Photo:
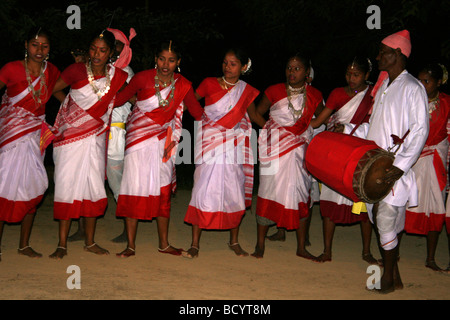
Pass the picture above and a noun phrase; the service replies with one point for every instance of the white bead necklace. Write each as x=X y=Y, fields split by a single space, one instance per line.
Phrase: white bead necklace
x=229 y=83
x=99 y=92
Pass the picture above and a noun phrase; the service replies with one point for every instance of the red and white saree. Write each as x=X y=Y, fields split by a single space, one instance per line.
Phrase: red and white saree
x=431 y=175
x=80 y=148
x=284 y=183
x=148 y=178
x=23 y=178
x=223 y=177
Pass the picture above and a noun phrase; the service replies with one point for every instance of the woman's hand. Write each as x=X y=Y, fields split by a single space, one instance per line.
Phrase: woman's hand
x=339 y=128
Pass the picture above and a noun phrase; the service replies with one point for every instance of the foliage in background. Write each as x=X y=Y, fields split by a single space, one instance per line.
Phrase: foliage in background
x=331 y=32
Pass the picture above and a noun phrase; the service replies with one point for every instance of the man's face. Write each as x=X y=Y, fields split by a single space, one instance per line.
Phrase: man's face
x=387 y=57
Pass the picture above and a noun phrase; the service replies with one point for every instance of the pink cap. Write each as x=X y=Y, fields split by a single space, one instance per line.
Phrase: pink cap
x=400 y=40
x=125 y=55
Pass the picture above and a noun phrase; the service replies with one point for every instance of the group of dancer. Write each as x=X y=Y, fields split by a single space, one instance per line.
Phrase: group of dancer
x=137 y=149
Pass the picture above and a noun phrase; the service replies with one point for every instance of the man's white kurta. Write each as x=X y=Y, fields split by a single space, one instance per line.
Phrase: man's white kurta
x=399 y=107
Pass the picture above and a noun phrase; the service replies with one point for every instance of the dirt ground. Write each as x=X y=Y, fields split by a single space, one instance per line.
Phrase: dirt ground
x=217 y=274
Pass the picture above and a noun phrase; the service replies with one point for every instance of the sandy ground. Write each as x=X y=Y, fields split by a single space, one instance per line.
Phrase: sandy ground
x=217 y=274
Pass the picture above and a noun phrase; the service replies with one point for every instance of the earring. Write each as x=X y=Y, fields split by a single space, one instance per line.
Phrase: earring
x=47 y=57
x=26 y=54
x=156 y=66
x=179 y=69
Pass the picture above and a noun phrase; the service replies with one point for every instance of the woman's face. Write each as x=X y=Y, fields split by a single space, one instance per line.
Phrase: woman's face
x=431 y=84
x=38 y=48
x=356 y=79
x=296 y=72
x=232 y=66
x=99 y=53
x=166 y=63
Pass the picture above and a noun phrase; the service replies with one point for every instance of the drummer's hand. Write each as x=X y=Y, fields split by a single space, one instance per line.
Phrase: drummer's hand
x=393 y=174
x=339 y=128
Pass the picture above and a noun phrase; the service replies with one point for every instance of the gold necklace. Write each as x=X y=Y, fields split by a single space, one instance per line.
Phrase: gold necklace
x=99 y=92
x=296 y=114
x=433 y=104
x=36 y=94
x=164 y=102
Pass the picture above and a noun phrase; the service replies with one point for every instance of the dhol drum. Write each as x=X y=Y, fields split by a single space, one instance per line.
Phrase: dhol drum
x=349 y=165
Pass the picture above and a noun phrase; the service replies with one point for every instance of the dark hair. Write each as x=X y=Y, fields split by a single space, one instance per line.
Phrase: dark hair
x=240 y=54
x=106 y=36
x=303 y=59
x=165 y=46
x=36 y=32
x=361 y=63
x=434 y=70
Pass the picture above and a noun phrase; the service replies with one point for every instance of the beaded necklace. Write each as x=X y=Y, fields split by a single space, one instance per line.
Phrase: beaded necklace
x=36 y=94
x=99 y=92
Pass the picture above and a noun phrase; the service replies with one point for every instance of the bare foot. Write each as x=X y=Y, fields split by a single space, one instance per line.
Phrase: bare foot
x=28 y=251
x=370 y=259
x=191 y=253
x=305 y=254
x=259 y=253
x=238 y=250
x=95 y=248
x=280 y=235
x=385 y=288
x=128 y=252
x=171 y=250
x=433 y=266
x=59 y=253
x=324 y=257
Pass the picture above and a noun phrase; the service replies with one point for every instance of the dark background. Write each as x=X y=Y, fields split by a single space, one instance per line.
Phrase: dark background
x=330 y=32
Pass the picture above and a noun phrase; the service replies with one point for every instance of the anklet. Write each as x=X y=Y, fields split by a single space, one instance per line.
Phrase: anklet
x=164 y=248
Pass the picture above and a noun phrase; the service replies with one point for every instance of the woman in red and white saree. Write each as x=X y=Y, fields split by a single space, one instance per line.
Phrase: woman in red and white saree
x=284 y=183
x=430 y=169
x=80 y=146
x=24 y=135
x=350 y=104
x=223 y=177
x=153 y=133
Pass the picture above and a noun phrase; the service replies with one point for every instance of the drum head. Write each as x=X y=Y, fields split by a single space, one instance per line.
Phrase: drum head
x=367 y=182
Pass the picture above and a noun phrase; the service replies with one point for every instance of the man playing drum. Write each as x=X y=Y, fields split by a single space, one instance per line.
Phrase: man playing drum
x=399 y=122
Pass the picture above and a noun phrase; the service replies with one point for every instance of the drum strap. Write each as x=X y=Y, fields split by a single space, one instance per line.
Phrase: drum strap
x=397 y=141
